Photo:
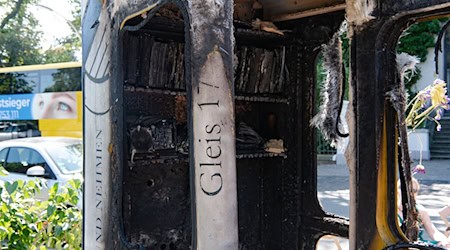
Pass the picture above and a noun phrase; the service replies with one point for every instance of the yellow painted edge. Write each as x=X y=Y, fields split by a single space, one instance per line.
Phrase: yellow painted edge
x=138 y=13
x=387 y=236
x=377 y=242
x=397 y=224
x=382 y=198
x=40 y=67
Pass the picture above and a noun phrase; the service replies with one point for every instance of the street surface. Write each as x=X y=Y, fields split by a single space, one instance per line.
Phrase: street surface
x=333 y=193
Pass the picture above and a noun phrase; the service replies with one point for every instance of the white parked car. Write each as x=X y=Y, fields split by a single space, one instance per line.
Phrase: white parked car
x=14 y=131
x=53 y=159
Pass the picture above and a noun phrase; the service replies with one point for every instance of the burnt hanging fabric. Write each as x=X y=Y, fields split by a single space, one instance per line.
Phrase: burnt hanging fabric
x=327 y=120
x=397 y=97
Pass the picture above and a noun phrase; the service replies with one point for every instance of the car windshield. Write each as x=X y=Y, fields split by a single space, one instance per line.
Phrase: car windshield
x=10 y=129
x=68 y=157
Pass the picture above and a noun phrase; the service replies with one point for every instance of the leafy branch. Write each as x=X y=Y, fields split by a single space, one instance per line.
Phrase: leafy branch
x=28 y=223
x=19 y=4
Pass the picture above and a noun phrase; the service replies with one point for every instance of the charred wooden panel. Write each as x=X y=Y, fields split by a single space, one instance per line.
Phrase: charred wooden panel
x=132 y=59
x=363 y=183
x=272 y=203
x=157 y=205
x=258 y=70
x=142 y=103
x=249 y=204
x=260 y=203
x=156 y=194
x=275 y=91
x=145 y=42
x=161 y=64
x=313 y=221
x=290 y=173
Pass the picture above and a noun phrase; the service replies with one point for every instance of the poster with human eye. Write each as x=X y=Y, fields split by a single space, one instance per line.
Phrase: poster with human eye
x=50 y=105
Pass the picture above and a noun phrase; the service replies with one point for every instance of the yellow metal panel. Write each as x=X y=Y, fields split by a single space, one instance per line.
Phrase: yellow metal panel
x=385 y=235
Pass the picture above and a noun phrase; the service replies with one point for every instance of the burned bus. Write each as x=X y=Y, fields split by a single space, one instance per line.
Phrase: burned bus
x=197 y=122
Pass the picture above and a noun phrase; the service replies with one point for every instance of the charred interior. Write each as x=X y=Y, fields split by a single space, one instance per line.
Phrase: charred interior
x=271 y=88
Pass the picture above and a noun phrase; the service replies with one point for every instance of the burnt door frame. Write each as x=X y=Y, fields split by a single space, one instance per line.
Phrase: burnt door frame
x=374 y=73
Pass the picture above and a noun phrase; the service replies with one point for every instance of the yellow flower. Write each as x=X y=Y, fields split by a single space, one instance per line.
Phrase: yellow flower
x=419 y=109
x=437 y=93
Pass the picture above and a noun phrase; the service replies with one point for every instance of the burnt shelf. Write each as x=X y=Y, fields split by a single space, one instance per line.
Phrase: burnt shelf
x=179 y=158
x=128 y=88
x=239 y=97
x=261 y=98
x=174 y=29
x=260 y=155
x=257 y=37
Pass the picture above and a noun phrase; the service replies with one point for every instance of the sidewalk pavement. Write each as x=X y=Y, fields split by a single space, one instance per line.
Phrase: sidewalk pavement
x=333 y=188
x=435 y=170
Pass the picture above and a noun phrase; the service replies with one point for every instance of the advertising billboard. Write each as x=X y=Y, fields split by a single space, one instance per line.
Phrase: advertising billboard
x=51 y=105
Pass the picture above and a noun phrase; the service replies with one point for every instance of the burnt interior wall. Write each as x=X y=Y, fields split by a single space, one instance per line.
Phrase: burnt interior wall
x=310 y=34
x=271 y=83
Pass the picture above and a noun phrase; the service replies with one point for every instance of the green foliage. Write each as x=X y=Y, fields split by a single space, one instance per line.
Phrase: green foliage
x=320 y=79
x=19 y=36
x=418 y=38
x=58 y=54
x=20 y=45
x=26 y=223
x=346 y=61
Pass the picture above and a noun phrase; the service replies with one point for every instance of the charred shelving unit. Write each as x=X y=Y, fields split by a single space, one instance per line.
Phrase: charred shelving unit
x=269 y=85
